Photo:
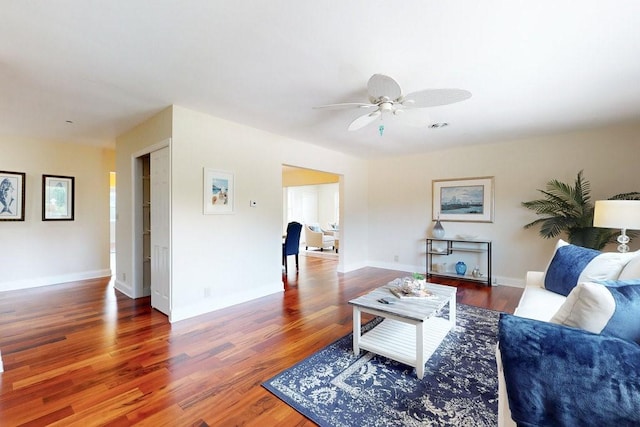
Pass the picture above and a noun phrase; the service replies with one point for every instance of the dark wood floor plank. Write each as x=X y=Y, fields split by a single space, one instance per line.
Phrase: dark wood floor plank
x=84 y=354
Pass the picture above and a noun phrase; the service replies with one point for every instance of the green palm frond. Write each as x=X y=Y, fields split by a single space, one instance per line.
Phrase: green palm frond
x=568 y=209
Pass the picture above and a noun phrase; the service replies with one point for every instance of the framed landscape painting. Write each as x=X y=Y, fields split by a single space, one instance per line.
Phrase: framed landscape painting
x=464 y=199
x=58 y=194
x=217 y=192
x=12 y=189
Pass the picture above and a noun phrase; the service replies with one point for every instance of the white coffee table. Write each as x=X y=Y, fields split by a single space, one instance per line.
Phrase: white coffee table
x=411 y=330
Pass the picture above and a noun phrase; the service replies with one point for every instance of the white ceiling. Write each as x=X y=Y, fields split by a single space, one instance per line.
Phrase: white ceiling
x=533 y=67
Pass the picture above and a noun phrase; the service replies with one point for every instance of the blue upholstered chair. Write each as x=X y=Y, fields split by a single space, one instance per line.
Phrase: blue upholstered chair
x=291 y=245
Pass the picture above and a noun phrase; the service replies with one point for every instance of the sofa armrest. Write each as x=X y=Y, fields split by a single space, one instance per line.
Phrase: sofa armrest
x=504 y=413
x=535 y=278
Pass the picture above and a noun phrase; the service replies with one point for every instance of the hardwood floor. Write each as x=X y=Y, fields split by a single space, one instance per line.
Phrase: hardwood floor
x=84 y=354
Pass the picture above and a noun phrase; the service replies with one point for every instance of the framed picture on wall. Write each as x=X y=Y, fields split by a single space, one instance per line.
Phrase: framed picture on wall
x=464 y=199
x=218 y=192
x=58 y=193
x=12 y=189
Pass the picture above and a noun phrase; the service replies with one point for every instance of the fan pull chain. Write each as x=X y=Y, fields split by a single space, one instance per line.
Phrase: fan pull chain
x=381 y=129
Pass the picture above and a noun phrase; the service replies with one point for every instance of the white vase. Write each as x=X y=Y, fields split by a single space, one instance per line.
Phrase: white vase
x=438 y=230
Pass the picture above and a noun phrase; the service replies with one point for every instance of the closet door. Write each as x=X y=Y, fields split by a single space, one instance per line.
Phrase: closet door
x=160 y=230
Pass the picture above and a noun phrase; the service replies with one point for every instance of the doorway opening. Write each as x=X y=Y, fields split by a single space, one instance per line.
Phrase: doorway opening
x=313 y=199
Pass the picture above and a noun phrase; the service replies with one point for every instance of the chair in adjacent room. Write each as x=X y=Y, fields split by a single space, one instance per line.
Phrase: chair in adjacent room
x=315 y=237
x=291 y=244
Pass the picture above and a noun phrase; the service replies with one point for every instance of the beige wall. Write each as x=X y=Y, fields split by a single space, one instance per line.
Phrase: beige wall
x=400 y=208
x=132 y=144
x=221 y=260
x=224 y=254
x=39 y=253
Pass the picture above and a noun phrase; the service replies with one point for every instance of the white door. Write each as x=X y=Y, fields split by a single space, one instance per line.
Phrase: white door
x=160 y=231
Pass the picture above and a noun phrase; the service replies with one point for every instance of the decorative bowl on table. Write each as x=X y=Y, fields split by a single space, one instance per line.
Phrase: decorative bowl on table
x=467 y=236
x=410 y=288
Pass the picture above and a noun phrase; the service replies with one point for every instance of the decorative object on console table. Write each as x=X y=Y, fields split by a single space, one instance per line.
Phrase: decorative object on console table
x=474 y=250
x=622 y=214
x=461 y=268
x=476 y=272
x=438 y=229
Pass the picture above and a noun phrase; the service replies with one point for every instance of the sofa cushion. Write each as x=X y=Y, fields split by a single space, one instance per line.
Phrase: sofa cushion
x=632 y=269
x=559 y=376
x=538 y=303
x=573 y=264
x=611 y=308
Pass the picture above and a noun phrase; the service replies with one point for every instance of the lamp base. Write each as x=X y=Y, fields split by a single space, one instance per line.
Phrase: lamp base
x=623 y=239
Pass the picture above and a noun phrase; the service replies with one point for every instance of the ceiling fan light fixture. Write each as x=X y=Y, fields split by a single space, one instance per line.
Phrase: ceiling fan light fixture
x=385 y=96
x=386 y=106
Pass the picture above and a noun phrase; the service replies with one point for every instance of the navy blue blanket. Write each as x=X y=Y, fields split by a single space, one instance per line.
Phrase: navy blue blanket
x=561 y=376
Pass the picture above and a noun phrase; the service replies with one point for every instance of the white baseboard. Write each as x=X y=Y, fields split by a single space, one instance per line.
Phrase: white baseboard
x=123 y=287
x=53 y=280
x=208 y=305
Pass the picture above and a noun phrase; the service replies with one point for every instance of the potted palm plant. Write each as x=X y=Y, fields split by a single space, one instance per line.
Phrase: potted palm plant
x=568 y=209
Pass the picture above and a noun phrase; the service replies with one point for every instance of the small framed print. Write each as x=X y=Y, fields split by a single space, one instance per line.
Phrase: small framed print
x=12 y=189
x=218 y=192
x=464 y=199
x=58 y=194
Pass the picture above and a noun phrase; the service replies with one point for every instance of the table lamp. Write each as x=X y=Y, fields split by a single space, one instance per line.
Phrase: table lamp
x=622 y=214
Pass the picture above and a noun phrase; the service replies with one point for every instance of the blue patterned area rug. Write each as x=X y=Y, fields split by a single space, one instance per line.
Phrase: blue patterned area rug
x=459 y=388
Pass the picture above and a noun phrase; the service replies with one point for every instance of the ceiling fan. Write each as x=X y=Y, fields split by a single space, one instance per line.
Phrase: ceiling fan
x=385 y=97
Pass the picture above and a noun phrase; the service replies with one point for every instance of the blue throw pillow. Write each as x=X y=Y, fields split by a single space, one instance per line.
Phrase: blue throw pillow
x=573 y=264
x=567 y=264
x=625 y=322
x=619 y=283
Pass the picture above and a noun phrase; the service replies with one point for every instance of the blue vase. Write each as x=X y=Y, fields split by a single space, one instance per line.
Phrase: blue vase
x=461 y=268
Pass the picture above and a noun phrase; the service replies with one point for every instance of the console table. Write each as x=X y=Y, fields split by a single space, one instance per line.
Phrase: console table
x=442 y=250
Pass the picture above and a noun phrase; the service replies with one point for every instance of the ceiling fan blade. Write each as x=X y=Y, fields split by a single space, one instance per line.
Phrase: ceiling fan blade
x=435 y=97
x=344 y=105
x=380 y=85
x=364 y=120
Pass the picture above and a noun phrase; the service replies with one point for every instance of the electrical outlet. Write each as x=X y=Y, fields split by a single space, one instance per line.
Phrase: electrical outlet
x=396 y=258
x=124 y=277
x=207 y=292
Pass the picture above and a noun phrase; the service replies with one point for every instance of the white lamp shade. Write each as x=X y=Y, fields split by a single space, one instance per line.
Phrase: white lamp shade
x=623 y=214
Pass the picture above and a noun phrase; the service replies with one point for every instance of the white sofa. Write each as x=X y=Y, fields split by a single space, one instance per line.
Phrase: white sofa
x=541 y=304
x=535 y=303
